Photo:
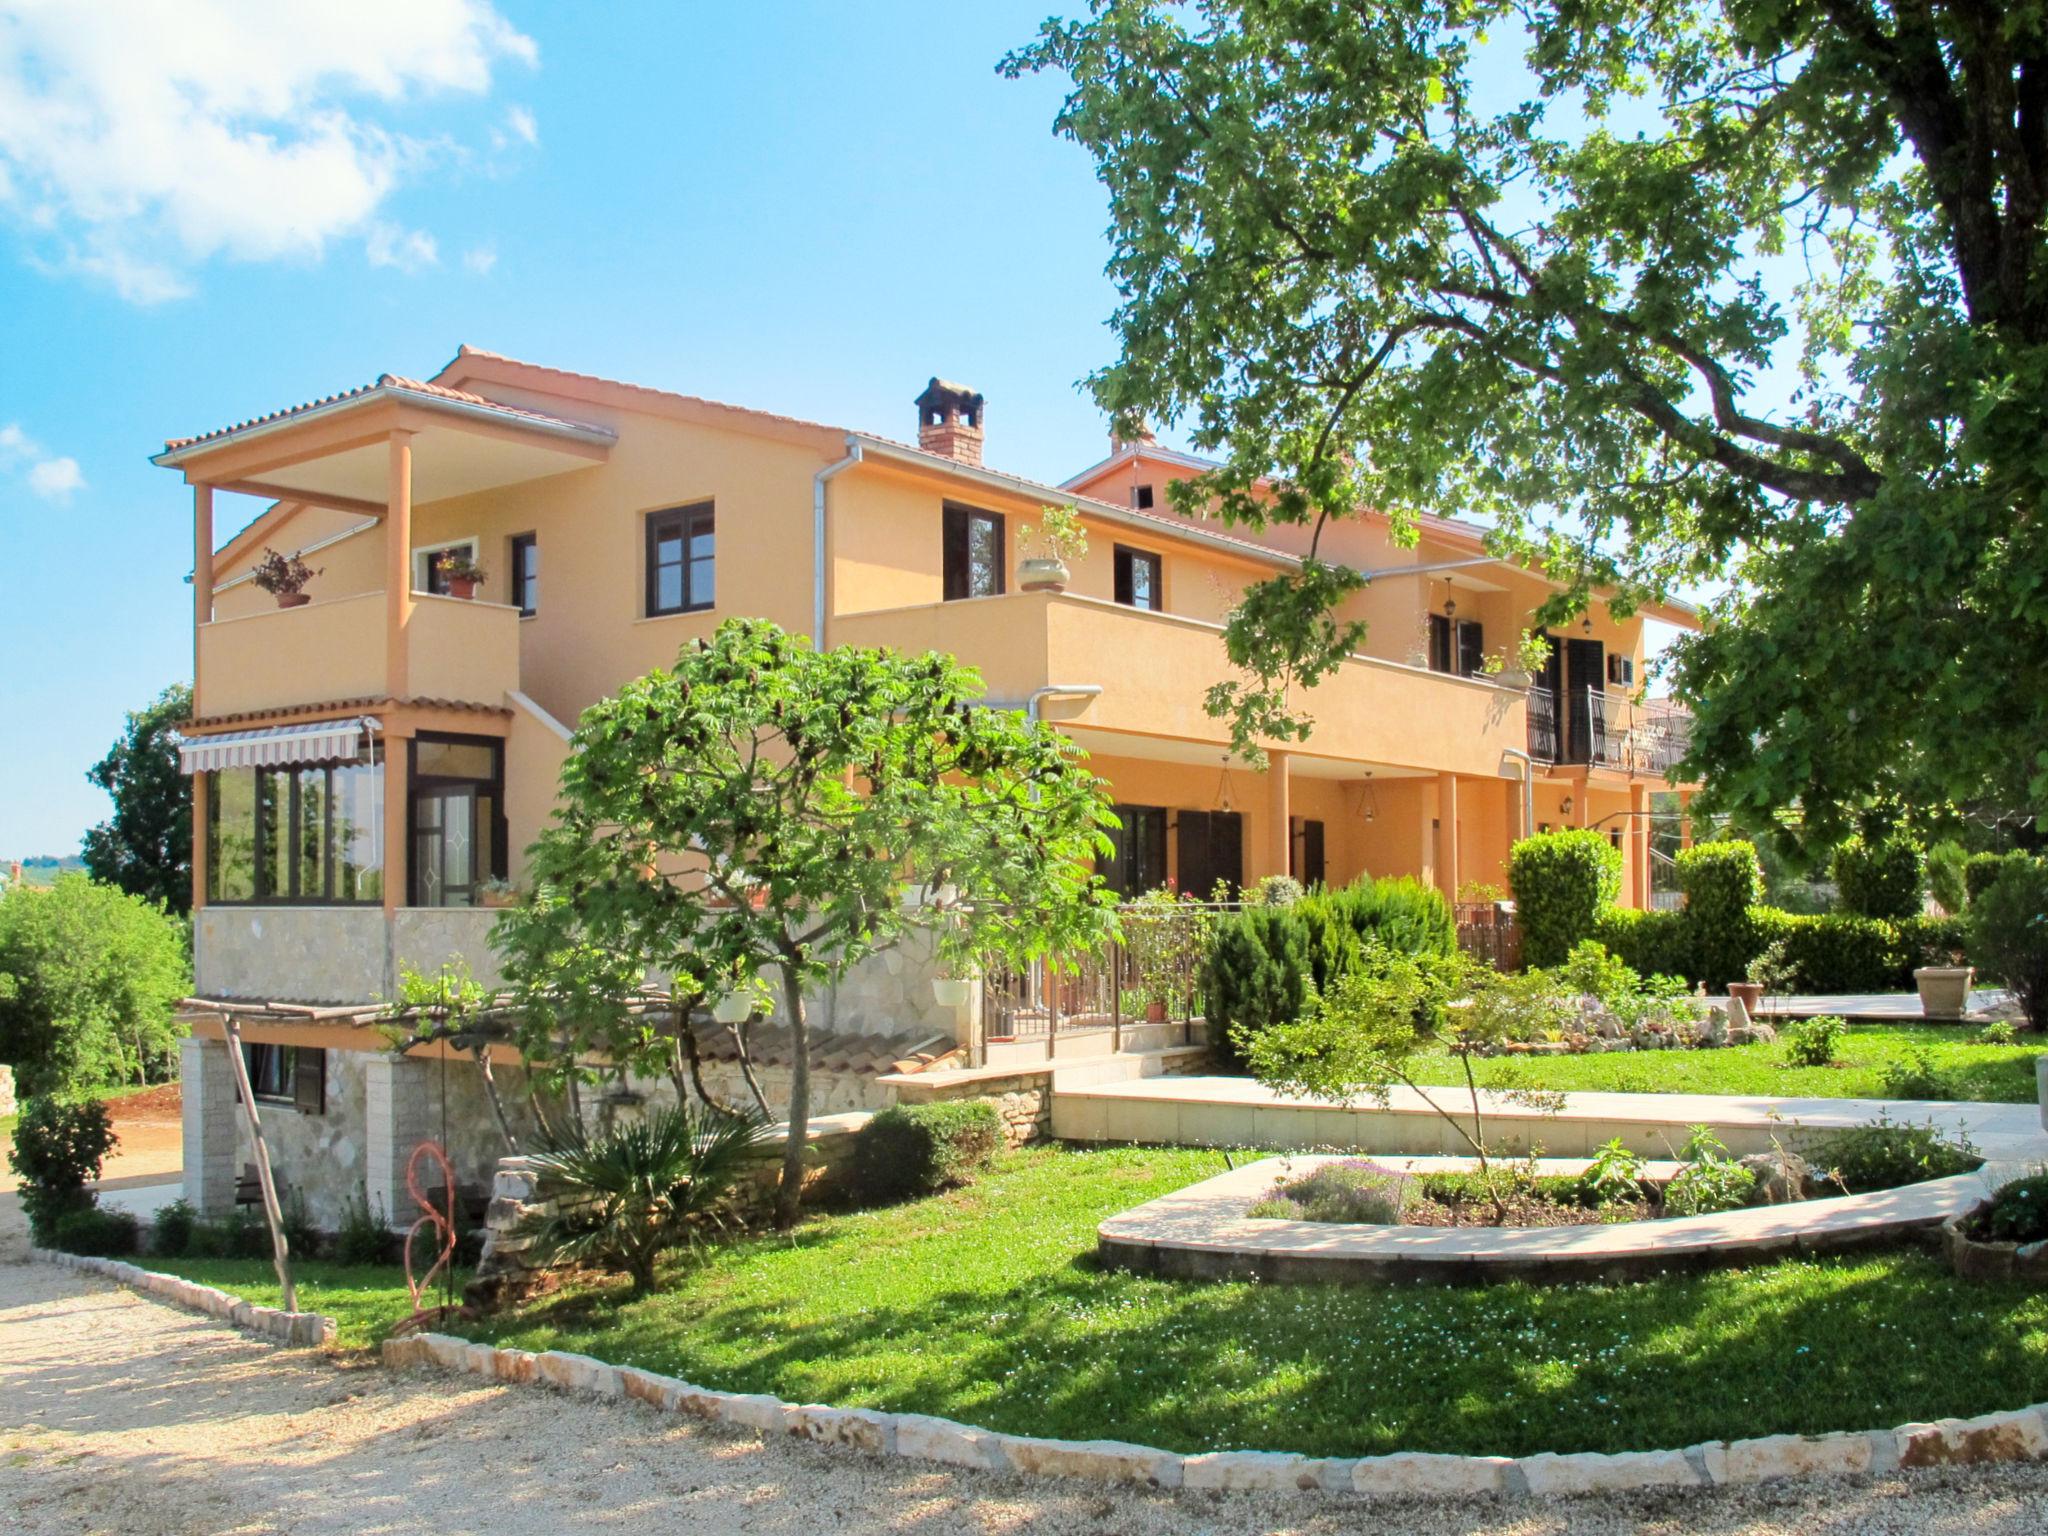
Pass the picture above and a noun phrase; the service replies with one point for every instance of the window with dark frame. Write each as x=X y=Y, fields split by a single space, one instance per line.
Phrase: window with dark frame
x=1209 y=851
x=1305 y=855
x=1141 y=497
x=972 y=554
x=1139 y=863
x=1439 y=643
x=526 y=574
x=1471 y=648
x=1137 y=579
x=290 y=1076
x=681 y=564
x=457 y=816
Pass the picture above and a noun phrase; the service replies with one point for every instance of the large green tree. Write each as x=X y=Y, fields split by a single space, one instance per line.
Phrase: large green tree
x=760 y=817
x=1668 y=290
x=145 y=847
x=89 y=982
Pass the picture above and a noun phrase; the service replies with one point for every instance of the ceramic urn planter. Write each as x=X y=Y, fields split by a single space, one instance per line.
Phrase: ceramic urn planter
x=1043 y=575
x=1944 y=990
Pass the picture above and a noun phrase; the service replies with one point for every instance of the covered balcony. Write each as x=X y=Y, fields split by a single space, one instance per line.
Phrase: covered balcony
x=1598 y=729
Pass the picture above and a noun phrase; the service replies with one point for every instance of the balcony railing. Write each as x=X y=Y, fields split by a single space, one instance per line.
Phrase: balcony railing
x=1608 y=730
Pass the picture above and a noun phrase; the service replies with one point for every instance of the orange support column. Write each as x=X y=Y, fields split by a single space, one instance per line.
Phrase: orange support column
x=202 y=575
x=398 y=569
x=1447 y=834
x=1685 y=818
x=397 y=826
x=1639 y=840
x=1279 y=814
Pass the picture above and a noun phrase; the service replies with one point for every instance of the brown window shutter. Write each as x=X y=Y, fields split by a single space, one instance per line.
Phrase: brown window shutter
x=309 y=1081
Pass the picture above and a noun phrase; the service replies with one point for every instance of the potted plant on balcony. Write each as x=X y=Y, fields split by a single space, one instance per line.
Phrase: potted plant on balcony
x=497 y=893
x=283 y=577
x=1050 y=548
x=459 y=570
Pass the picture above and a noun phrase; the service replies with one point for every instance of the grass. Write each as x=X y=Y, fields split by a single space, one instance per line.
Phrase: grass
x=366 y=1301
x=986 y=1305
x=1996 y=1074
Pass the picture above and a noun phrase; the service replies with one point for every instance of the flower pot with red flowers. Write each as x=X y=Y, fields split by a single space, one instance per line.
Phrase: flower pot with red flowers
x=284 y=577
x=459 y=572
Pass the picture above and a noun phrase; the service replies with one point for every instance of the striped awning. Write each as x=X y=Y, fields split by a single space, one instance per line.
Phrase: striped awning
x=326 y=742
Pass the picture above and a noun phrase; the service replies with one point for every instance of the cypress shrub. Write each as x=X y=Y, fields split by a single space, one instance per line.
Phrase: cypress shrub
x=1256 y=973
x=1400 y=912
x=1982 y=869
x=1882 y=878
x=910 y=1150
x=1562 y=882
x=1947 y=877
x=2009 y=934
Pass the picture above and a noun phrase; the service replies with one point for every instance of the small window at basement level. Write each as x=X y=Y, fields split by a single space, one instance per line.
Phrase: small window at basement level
x=680 y=562
x=972 y=554
x=1141 y=497
x=293 y=1076
x=1137 y=579
x=526 y=574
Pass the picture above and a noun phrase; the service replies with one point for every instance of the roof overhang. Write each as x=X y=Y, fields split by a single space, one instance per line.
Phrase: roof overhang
x=336 y=452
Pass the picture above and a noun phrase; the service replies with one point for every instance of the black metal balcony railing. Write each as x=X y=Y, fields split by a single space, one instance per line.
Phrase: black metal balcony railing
x=1608 y=730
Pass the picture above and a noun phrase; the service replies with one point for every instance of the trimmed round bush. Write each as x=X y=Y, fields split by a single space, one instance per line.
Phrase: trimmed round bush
x=1255 y=975
x=171 y=1233
x=1883 y=878
x=1562 y=882
x=911 y=1150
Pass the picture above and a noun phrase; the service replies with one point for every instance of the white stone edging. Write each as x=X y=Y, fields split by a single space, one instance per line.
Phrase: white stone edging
x=312 y=1329
x=2019 y=1435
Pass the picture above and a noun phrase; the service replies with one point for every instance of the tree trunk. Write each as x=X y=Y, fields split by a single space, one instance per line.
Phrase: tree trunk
x=790 y=1195
x=483 y=1062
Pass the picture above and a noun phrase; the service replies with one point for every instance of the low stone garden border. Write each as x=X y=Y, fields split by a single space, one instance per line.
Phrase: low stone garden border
x=313 y=1329
x=2019 y=1435
x=1202 y=1232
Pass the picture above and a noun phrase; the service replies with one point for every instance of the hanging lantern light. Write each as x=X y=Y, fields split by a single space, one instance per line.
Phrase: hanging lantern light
x=1368 y=803
x=1224 y=800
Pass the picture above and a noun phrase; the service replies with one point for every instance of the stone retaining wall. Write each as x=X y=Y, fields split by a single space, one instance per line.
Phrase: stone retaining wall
x=1023 y=1098
x=2020 y=1435
x=307 y=1328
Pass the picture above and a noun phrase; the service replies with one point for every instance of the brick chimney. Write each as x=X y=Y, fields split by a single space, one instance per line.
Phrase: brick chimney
x=1141 y=437
x=949 y=421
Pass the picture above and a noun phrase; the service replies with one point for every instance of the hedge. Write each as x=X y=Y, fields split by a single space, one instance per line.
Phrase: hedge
x=1562 y=882
x=1650 y=943
x=919 y=1149
x=1831 y=952
x=1982 y=869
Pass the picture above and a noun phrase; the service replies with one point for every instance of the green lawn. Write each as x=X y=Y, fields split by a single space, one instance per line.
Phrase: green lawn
x=986 y=1305
x=364 y=1300
x=2002 y=1074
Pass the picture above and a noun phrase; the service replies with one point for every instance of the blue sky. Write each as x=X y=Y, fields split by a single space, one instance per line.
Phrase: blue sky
x=808 y=207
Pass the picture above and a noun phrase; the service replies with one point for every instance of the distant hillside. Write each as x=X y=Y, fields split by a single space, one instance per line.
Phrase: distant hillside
x=44 y=867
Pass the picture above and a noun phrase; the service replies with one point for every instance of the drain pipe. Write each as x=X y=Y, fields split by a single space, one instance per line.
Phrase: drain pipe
x=853 y=457
x=1059 y=691
x=1528 y=787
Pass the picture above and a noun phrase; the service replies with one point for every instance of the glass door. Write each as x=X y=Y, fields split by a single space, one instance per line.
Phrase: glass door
x=444 y=846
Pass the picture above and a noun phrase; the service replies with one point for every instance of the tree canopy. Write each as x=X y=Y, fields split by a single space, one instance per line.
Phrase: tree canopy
x=145 y=847
x=89 y=981
x=1666 y=291
x=762 y=816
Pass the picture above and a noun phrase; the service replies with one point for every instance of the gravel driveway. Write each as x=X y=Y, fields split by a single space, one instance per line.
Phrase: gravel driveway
x=120 y=1415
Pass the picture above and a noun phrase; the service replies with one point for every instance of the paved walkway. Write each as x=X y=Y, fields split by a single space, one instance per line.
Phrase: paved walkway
x=1240 y=1111
x=1870 y=1007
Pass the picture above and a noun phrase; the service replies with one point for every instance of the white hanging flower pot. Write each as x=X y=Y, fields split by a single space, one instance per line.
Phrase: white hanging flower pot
x=951 y=991
x=732 y=1008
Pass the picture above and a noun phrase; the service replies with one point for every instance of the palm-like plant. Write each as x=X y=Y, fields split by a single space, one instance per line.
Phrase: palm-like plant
x=632 y=1193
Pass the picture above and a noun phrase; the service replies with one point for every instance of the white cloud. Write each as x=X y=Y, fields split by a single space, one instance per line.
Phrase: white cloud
x=50 y=477
x=56 y=479
x=138 y=139
x=523 y=127
x=407 y=250
x=480 y=259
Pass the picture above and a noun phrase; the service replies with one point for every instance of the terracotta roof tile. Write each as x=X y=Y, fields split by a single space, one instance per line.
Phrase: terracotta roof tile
x=384 y=381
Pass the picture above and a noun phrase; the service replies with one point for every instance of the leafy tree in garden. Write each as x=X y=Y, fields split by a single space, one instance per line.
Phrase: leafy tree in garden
x=89 y=981
x=1422 y=257
x=146 y=846
x=753 y=817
